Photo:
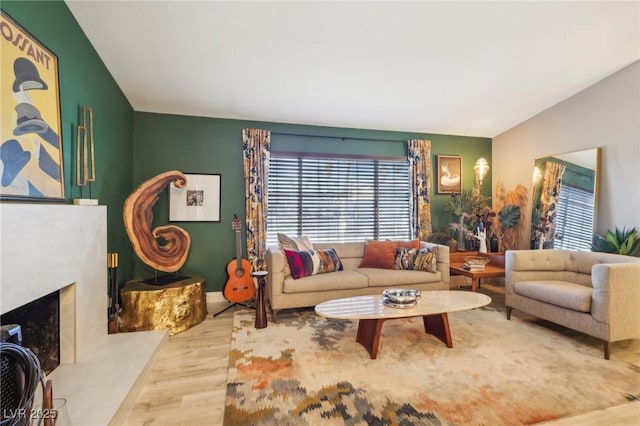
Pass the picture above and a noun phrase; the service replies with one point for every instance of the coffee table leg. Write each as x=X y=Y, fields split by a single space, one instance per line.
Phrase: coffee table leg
x=438 y=325
x=369 y=335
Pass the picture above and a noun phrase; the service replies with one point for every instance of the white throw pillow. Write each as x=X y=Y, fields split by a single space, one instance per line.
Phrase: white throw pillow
x=292 y=243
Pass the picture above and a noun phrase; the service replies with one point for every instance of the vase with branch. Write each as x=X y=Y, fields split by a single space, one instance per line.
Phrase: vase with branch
x=462 y=206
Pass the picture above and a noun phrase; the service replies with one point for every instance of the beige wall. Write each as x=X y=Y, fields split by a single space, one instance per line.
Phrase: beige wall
x=605 y=115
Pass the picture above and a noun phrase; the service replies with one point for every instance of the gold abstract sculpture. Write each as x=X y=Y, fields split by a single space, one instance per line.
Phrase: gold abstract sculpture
x=165 y=248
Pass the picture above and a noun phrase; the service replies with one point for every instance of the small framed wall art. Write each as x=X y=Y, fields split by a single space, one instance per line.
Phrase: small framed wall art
x=198 y=201
x=31 y=142
x=449 y=170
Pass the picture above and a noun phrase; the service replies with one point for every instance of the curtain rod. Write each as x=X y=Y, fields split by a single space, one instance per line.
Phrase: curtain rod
x=338 y=137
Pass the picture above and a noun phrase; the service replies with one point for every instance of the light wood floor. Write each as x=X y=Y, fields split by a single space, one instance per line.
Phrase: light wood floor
x=187 y=380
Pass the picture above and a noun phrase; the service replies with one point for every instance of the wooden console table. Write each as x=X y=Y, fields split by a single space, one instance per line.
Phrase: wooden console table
x=176 y=306
x=493 y=269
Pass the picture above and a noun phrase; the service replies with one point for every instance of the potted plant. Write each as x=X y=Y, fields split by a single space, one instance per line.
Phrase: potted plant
x=460 y=230
x=508 y=217
x=625 y=241
x=462 y=206
x=439 y=237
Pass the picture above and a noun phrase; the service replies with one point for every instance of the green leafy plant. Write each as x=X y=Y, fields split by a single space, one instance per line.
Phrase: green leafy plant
x=463 y=205
x=440 y=237
x=625 y=241
x=466 y=201
x=508 y=216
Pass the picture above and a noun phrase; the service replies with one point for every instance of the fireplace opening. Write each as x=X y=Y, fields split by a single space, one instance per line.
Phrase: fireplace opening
x=40 y=324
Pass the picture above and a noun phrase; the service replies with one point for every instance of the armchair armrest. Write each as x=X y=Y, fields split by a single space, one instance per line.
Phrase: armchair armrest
x=616 y=297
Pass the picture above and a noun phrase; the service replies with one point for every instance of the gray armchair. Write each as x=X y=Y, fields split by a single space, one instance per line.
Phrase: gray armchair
x=595 y=293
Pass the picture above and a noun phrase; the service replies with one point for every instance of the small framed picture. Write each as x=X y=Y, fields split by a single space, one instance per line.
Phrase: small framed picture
x=449 y=174
x=198 y=201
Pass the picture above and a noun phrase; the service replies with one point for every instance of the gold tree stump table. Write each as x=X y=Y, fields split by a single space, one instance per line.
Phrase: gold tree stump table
x=176 y=306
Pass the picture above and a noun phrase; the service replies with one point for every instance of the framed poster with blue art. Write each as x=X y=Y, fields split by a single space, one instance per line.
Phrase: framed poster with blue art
x=31 y=143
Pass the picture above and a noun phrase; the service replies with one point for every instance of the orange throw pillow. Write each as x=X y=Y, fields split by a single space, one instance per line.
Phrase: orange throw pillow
x=379 y=254
x=411 y=244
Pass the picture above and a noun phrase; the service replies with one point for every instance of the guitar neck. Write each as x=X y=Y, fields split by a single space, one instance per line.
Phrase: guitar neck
x=238 y=252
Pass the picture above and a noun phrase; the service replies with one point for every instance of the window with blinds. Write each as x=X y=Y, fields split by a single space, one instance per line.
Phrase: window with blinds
x=337 y=199
x=574 y=227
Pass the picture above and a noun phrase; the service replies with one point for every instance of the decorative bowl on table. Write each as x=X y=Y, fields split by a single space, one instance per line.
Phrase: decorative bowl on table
x=400 y=298
x=476 y=261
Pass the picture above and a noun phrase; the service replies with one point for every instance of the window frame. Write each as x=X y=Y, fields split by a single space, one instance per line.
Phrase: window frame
x=401 y=232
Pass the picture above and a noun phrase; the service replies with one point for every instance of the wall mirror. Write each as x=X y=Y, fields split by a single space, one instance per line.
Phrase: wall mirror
x=565 y=197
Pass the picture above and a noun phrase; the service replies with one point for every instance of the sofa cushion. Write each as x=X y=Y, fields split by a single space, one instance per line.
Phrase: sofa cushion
x=382 y=254
x=379 y=254
x=350 y=253
x=396 y=278
x=329 y=261
x=292 y=243
x=559 y=293
x=410 y=244
x=344 y=250
x=423 y=259
x=310 y=262
x=302 y=263
x=325 y=282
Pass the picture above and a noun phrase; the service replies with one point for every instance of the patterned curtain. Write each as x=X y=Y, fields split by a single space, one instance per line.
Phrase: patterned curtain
x=549 y=197
x=419 y=155
x=256 y=150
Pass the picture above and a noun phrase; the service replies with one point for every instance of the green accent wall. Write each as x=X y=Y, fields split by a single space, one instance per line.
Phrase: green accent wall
x=209 y=145
x=132 y=147
x=85 y=81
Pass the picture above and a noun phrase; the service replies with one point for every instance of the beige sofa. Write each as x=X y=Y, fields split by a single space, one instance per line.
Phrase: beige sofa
x=595 y=293
x=285 y=292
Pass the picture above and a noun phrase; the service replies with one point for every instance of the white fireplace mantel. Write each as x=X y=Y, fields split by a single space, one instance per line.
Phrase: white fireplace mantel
x=50 y=247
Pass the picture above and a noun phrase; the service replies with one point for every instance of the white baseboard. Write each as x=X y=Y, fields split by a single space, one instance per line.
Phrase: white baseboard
x=215 y=297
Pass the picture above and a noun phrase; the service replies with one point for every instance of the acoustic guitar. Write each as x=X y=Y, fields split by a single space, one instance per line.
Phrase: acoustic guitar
x=239 y=286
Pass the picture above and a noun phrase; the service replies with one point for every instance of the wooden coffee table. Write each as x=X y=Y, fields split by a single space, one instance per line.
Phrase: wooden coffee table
x=371 y=313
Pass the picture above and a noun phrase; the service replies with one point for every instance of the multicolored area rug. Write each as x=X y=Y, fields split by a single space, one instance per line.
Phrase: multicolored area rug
x=307 y=370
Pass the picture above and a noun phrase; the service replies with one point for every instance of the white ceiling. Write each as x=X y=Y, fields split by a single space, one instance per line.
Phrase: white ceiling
x=474 y=68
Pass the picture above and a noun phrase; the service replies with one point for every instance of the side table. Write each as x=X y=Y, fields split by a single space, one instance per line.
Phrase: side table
x=490 y=271
x=494 y=269
x=261 y=311
x=176 y=307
